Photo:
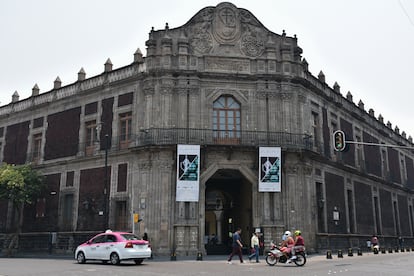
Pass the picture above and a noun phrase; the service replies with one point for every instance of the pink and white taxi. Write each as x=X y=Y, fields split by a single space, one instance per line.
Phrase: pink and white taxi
x=114 y=247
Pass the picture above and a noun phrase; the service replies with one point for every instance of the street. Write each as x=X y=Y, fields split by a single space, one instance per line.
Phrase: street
x=369 y=264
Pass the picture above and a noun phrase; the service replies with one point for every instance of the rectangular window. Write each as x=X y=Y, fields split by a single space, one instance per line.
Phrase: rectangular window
x=91 y=137
x=91 y=108
x=358 y=151
x=122 y=177
x=351 y=211
x=125 y=123
x=40 y=207
x=69 y=179
x=125 y=99
x=315 y=129
x=37 y=147
x=67 y=212
x=121 y=221
x=38 y=122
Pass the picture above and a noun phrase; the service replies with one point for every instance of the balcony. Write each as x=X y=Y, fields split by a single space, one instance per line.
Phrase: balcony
x=171 y=136
x=206 y=137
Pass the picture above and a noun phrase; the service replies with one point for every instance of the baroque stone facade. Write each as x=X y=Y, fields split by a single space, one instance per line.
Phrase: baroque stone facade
x=108 y=146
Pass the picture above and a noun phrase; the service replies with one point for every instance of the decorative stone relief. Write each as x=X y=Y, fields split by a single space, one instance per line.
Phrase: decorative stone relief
x=226 y=24
x=292 y=169
x=286 y=96
x=145 y=166
x=180 y=234
x=202 y=41
x=166 y=89
x=227 y=64
x=308 y=170
x=252 y=45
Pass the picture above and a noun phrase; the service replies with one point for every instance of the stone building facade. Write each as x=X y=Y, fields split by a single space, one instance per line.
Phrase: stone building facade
x=108 y=146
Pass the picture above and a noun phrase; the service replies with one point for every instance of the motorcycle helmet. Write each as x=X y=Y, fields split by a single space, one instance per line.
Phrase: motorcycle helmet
x=297 y=233
x=287 y=234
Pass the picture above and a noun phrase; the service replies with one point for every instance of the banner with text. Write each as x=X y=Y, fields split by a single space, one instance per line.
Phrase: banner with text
x=188 y=172
x=270 y=177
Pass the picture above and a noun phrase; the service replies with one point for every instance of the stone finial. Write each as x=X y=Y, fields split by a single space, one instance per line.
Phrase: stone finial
x=397 y=130
x=389 y=124
x=283 y=33
x=404 y=135
x=321 y=76
x=371 y=112
x=57 y=83
x=305 y=64
x=349 y=96
x=336 y=87
x=361 y=105
x=108 y=65
x=35 y=90
x=81 y=74
x=380 y=118
x=15 y=97
x=410 y=139
x=138 y=56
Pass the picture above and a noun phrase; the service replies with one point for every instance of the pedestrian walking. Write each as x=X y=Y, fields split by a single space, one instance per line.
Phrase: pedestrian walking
x=236 y=246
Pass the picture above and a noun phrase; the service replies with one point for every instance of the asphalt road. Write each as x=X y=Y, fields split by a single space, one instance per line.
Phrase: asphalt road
x=394 y=264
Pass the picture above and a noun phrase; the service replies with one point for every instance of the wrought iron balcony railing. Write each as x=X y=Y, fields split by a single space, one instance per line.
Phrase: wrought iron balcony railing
x=173 y=136
x=170 y=136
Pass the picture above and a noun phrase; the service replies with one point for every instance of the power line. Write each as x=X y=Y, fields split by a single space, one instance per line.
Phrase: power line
x=406 y=13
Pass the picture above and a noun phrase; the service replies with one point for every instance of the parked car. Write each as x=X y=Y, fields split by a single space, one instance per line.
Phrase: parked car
x=114 y=247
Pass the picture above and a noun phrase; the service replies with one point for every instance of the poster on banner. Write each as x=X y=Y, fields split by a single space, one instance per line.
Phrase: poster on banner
x=270 y=177
x=188 y=172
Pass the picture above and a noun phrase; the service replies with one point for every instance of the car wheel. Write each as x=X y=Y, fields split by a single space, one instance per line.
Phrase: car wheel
x=138 y=261
x=115 y=259
x=81 y=258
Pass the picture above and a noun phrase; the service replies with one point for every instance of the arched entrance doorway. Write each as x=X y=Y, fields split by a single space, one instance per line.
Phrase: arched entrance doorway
x=228 y=205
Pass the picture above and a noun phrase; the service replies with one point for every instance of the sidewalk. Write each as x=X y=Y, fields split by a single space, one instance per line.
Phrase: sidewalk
x=46 y=255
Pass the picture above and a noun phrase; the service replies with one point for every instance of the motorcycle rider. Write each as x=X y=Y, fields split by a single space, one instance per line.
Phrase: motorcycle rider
x=287 y=243
x=299 y=244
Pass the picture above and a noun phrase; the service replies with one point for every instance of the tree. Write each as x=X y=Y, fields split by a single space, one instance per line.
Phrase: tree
x=20 y=185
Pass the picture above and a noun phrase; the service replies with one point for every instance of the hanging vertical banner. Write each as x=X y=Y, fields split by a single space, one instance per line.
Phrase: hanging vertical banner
x=188 y=172
x=270 y=177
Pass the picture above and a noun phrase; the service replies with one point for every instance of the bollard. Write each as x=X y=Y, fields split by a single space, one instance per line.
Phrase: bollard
x=396 y=250
x=383 y=251
x=407 y=249
x=402 y=249
x=390 y=250
x=173 y=256
x=199 y=256
x=340 y=255
x=350 y=253
x=359 y=252
x=375 y=250
x=329 y=254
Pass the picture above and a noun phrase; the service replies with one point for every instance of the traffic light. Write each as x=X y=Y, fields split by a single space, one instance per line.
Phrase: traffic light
x=339 y=140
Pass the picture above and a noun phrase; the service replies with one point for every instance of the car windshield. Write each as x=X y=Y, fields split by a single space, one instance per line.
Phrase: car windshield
x=129 y=237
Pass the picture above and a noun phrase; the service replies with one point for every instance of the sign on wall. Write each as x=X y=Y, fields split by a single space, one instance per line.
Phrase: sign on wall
x=188 y=172
x=270 y=177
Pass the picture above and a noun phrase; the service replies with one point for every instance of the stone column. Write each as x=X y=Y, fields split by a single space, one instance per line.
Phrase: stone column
x=219 y=217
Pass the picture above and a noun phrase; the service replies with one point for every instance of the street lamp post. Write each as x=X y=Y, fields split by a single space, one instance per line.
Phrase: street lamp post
x=106 y=205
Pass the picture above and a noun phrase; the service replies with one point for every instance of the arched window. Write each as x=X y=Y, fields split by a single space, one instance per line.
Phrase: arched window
x=226 y=120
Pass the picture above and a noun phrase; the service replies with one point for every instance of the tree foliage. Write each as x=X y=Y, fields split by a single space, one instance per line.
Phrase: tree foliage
x=20 y=184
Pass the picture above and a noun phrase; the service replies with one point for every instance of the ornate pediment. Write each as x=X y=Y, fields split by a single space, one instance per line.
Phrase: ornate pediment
x=228 y=39
x=225 y=29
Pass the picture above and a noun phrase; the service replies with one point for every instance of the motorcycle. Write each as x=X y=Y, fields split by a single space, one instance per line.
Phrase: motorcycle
x=275 y=255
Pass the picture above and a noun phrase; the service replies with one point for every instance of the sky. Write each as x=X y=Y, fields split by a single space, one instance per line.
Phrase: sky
x=365 y=46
